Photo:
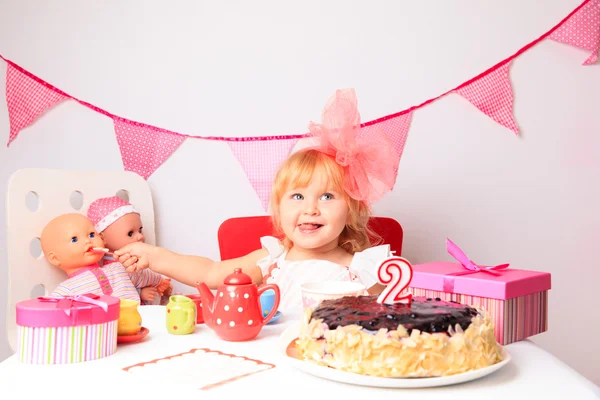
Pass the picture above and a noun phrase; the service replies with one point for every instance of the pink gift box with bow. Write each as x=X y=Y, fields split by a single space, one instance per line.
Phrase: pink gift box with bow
x=63 y=330
x=515 y=299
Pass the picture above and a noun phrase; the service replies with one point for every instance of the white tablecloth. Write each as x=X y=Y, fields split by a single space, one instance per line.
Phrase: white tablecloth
x=532 y=373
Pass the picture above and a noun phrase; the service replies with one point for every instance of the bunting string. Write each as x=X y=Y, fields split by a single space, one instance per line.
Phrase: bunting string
x=593 y=3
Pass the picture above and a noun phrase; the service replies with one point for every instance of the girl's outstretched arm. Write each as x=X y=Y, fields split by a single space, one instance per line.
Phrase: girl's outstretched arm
x=188 y=269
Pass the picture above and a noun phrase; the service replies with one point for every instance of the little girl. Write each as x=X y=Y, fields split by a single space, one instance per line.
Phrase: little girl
x=320 y=208
x=119 y=224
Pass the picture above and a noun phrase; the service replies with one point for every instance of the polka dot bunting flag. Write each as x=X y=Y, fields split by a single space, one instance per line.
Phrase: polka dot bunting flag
x=144 y=148
x=582 y=30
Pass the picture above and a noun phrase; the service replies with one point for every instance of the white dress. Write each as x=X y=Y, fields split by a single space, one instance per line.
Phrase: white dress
x=289 y=275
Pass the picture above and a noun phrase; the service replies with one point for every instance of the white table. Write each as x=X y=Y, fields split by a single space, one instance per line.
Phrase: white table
x=532 y=373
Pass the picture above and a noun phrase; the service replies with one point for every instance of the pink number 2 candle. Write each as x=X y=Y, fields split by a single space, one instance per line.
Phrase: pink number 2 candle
x=396 y=273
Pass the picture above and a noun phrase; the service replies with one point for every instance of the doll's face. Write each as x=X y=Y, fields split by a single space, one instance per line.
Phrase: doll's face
x=67 y=242
x=313 y=217
x=125 y=230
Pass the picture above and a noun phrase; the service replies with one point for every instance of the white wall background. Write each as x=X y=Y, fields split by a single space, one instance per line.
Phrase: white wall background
x=266 y=68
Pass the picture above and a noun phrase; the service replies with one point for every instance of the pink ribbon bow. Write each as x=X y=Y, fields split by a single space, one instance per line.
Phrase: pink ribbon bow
x=470 y=266
x=65 y=303
x=368 y=159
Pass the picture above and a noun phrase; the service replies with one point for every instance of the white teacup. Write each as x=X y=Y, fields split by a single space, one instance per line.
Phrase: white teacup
x=315 y=292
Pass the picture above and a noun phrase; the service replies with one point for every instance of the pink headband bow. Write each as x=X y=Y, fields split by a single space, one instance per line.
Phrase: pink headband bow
x=367 y=155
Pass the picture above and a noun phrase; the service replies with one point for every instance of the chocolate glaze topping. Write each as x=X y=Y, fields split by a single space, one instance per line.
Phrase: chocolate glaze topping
x=425 y=314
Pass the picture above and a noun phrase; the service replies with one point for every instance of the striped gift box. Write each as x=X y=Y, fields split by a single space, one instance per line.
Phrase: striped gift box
x=53 y=330
x=516 y=300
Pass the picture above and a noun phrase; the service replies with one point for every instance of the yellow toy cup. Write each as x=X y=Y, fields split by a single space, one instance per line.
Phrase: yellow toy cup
x=130 y=320
x=181 y=315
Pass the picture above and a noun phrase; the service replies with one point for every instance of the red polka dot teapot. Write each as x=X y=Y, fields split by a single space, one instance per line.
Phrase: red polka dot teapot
x=234 y=312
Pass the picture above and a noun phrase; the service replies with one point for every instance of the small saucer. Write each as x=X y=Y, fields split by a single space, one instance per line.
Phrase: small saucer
x=277 y=315
x=133 y=338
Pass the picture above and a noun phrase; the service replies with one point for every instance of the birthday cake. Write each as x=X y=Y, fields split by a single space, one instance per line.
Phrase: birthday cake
x=427 y=338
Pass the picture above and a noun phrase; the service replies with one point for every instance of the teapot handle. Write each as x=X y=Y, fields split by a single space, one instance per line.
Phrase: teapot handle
x=263 y=288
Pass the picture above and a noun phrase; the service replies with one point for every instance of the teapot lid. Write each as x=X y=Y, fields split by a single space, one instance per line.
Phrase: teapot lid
x=238 y=278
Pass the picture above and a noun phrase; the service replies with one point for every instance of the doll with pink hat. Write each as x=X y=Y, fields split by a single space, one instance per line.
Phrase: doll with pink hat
x=119 y=224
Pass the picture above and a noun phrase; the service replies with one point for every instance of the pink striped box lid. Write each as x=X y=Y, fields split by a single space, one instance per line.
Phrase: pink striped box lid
x=509 y=283
x=48 y=312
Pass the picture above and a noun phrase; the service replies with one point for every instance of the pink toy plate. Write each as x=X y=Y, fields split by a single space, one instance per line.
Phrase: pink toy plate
x=133 y=338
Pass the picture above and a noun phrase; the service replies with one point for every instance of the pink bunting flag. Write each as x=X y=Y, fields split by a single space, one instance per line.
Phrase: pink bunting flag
x=260 y=160
x=396 y=128
x=27 y=98
x=492 y=94
x=582 y=30
x=144 y=148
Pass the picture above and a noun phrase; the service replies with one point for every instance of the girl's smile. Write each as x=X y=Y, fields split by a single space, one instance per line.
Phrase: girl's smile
x=309 y=228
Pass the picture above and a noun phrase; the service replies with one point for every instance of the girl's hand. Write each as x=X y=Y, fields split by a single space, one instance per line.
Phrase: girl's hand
x=135 y=256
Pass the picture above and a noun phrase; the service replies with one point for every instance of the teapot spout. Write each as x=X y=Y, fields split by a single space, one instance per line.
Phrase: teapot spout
x=208 y=299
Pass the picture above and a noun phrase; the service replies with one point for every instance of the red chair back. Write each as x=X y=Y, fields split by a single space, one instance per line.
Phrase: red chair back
x=241 y=235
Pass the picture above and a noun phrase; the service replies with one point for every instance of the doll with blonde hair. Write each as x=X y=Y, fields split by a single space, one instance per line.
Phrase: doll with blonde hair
x=320 y=207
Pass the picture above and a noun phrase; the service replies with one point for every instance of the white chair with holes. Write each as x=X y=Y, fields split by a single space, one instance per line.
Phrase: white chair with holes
x=34 y=197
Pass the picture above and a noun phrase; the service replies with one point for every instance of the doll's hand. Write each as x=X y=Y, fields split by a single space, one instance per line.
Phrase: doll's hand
x=148 y=294
x=135 y=256
x=164 y=300
x=164 y=285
